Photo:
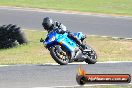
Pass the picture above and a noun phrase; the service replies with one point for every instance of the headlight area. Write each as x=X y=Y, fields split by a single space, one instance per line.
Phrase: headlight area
x=49 y=41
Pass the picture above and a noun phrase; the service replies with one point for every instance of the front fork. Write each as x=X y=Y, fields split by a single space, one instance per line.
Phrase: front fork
x=60 y=50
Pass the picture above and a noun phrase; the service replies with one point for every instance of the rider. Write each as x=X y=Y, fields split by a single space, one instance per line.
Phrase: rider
x=49 y=25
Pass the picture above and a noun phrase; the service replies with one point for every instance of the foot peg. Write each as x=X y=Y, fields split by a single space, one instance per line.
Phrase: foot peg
x=87 y=50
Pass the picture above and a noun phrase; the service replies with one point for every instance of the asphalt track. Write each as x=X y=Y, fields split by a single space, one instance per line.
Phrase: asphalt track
x=96 y=25
x=33 y=76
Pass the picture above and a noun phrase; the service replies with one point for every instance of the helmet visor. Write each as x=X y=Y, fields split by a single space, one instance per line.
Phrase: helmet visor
x=45 y=25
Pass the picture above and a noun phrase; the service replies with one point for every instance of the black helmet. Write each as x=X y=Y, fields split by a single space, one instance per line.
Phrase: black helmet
x=47 y=23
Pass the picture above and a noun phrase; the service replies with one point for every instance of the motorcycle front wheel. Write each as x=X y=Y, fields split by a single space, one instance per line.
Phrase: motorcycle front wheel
x=60 y=57
x=92 y=56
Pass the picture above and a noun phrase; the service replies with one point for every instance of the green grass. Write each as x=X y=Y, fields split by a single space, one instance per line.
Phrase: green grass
x=123 y=7
x=34 y=52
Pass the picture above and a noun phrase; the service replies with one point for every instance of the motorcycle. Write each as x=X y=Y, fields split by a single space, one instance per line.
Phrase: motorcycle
x=62 y=47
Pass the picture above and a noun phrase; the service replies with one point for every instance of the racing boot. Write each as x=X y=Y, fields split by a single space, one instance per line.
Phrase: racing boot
x=72 y=57
x=73 y=54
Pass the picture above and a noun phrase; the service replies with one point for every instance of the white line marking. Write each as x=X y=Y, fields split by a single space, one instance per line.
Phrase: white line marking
x=115 y=37
x=74 y=63
x=34 y=30
x=105 y=36
x=64 y=12
x=116 y=62
x=128 y=38
x=87 y=85
x=79 y=63
x=3 y=65
x=107 y=84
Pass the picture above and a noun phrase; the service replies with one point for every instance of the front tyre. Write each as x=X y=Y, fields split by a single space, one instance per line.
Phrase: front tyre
x=60 y=58
x=92 y=57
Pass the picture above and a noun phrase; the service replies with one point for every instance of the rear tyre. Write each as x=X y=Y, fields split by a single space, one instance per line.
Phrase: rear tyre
x=57 y=56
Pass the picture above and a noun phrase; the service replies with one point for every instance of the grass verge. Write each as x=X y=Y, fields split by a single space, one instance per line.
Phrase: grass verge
x=122 y=7
x=108 y=49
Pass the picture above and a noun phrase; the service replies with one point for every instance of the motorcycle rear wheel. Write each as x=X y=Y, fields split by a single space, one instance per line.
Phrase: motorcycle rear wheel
x=57 y=56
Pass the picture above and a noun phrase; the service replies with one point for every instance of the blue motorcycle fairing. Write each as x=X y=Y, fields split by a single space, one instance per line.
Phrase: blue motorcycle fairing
x=78 y=35
x=53 y=38
x=49 y=36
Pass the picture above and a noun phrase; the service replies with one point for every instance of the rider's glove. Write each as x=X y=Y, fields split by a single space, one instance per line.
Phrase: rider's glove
x=57 y=24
